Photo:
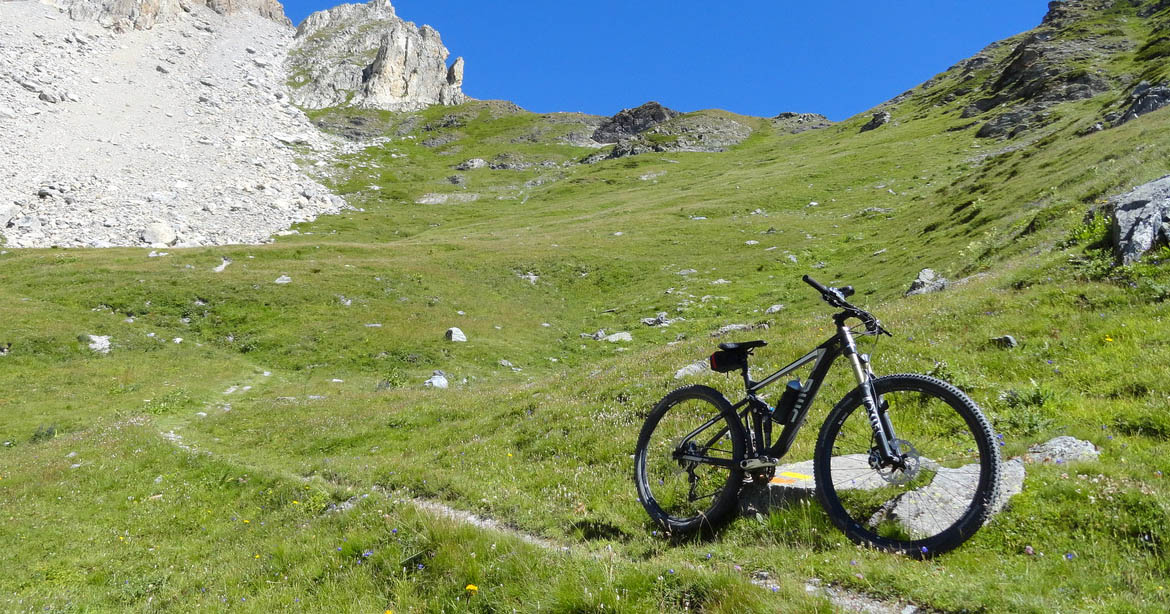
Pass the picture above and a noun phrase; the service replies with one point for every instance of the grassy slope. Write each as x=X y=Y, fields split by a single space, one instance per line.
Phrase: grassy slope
x=547 y=448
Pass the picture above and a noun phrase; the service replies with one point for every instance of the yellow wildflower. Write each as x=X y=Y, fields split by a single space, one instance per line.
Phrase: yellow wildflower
x=471 y=588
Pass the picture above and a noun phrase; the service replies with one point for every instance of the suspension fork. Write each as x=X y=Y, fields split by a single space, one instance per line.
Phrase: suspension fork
x=879 y=420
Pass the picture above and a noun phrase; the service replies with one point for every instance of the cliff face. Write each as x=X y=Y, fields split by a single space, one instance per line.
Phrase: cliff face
x=144 y=14
x=365 y=55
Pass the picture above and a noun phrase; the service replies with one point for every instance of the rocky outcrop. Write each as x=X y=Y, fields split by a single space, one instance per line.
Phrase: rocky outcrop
x=878 y=120
x=795 y=123
x=1050 y=65
x=1141 y=220
x=927 y=281
x=144 y=14
x=1145 y=98
x=364 y=55
x=631 y=122
x=699 y=132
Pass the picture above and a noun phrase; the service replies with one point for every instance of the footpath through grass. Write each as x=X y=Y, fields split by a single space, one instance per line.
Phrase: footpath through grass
x=196 y=464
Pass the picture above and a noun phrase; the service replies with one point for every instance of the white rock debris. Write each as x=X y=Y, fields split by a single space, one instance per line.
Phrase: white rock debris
x=149 y=124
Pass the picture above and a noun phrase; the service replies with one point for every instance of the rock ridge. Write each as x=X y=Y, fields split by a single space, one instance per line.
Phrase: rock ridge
x=364 y=55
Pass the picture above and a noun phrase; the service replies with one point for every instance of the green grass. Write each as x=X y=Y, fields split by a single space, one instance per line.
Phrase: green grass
x=324 y=408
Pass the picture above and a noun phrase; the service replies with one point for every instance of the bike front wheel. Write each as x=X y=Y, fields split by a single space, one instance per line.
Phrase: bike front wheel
x=943 y=487
x=686 y=464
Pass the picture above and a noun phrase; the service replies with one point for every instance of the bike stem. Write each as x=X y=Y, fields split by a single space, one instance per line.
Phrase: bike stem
x=882 y=431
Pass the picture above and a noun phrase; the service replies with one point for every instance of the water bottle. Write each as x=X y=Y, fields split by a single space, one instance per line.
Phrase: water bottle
x=787 y=403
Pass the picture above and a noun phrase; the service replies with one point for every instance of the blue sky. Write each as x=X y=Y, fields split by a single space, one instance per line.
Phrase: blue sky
x=749 y=56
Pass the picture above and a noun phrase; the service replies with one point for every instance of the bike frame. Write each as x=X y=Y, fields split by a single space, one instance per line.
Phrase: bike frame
x=759 y=428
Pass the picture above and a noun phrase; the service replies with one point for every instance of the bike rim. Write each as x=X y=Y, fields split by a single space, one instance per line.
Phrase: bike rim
x=685 y=490
x=935 y=491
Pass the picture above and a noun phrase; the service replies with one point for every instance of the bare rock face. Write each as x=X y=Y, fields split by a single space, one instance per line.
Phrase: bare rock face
x=364 y=55
x=144 y=14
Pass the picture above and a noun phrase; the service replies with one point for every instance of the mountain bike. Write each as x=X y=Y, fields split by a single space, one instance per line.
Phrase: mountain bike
x=904 y=463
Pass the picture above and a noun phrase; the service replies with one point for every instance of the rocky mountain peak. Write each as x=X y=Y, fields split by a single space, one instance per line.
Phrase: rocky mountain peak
x=365 y=55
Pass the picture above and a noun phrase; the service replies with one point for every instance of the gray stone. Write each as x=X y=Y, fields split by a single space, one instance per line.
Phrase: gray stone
x=1006 y=342
x=661 y=319
x=282 y=280
x=1141 y=220
x=733 y=328
x=437 y=380
x=618 y=337
x=7 y=113
x=471 y=164
x=456 y=335
x=158 y=233
x=8 y=212
x=99 y=343
x=774 y=309
x=878 y=120
x=695 y=368
x=928 y=281
x=1011 y=482
x=1061 y=450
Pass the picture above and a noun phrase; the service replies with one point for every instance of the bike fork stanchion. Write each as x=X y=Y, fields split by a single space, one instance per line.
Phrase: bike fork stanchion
x=876 y=421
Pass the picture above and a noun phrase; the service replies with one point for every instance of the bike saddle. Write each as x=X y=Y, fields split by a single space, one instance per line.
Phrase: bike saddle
x=744 y=345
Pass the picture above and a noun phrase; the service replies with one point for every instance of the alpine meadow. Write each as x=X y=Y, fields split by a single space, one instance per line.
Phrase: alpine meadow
x=353 y=341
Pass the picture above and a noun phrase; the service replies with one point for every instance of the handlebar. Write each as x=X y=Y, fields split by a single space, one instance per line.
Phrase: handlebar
x=812 y=282
x=836 y=298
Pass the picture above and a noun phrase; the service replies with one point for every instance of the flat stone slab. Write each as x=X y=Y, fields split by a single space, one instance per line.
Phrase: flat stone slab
x=923 y=511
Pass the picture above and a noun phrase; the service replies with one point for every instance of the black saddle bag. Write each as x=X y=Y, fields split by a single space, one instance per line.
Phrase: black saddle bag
x=724 y=361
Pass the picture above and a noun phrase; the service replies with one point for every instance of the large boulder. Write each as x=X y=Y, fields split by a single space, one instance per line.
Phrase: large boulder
x=365 y=55
x=159 y=234
x=927 y=281
x=1141 y=220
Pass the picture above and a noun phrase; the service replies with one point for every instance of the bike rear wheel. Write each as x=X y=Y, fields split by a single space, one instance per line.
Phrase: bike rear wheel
x=946 y=487
x=684 y=495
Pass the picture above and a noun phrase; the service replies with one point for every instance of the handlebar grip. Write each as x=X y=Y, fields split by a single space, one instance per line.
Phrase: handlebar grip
x=812 y=282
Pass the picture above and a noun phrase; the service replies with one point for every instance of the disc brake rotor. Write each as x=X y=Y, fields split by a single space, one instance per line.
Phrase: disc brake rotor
x=909 y=469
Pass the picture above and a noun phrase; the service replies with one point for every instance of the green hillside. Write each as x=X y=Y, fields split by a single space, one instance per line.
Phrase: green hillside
x=135 y=481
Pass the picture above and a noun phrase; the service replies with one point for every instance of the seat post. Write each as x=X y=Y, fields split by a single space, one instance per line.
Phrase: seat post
x=747 y=380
